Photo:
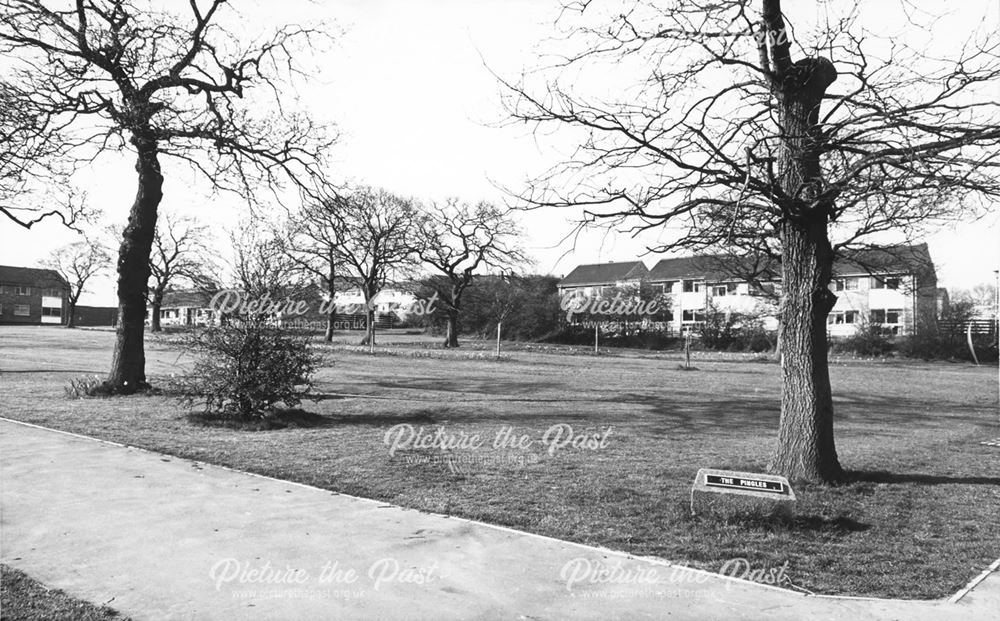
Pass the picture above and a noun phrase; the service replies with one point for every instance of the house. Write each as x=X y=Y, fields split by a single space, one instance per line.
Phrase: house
x=894 y=287
x=188 y=307
x=697 y=284
x=597 y=279
x=32 y=296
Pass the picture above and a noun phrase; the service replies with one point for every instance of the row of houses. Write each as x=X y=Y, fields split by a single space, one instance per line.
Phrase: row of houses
x=895 y=287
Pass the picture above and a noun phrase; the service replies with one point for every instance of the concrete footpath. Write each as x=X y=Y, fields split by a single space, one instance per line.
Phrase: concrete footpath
x=158 y=537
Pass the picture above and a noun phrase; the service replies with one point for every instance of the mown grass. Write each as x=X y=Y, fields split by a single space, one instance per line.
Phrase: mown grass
x=918 y=519
x=23 y=598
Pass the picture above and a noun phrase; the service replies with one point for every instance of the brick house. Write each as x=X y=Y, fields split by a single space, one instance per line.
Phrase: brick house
x=32 y=296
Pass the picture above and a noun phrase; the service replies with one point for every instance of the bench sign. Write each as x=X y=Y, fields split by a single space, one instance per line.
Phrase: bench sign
x=734 y=482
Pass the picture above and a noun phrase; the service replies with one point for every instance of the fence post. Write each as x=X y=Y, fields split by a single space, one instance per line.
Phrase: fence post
x=499 y=323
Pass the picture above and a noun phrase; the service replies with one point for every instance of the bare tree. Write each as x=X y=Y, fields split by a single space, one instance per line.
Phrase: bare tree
x=457 y=239
x=261 y=267
x=77 y=263
x=734 y=132
x=313 y=241
x=377 y=229
x=102 y=75
x=182 y=253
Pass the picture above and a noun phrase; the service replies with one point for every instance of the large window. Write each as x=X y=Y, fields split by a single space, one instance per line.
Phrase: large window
x=886 y=282
x=22 y=310
x=692 y=286
x=842 y=317
x=22 y=290
x=48 y=311
x=892 y=316
x=693 y=315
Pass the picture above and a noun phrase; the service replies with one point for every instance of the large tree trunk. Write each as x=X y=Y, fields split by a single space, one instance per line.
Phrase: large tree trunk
x=154 y=312
x=451 y=328
x=128 y=367
x=331 y=318
x=369 y=337
x=806 y=448
x=71 y=320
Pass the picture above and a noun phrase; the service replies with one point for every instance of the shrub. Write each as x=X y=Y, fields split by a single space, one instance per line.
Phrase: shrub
x=938 y=346
x=870 y=339
x=246 y=367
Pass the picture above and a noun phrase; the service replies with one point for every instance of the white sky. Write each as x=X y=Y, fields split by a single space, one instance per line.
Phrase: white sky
x=418 y=109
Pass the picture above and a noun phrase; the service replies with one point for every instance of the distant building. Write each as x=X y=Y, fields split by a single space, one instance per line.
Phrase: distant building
x=32 y=296
x=894 y=287
x=190 y=307
x=94 y=316
x=597 y=279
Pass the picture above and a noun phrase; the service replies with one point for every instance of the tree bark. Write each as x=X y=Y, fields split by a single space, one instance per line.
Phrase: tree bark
x=806 y=449
x=71 y=320
x=128 y=366
x=451 y=328
x=154 y=312
x=331 y=318
x=331 y=290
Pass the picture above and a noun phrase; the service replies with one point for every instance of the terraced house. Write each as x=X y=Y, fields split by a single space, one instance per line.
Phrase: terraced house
x=31 y=295
x=892 y=287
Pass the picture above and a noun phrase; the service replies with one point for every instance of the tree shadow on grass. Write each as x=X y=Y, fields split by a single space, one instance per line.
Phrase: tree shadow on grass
x=881 y=476
x=763 y=521
x=295 y=418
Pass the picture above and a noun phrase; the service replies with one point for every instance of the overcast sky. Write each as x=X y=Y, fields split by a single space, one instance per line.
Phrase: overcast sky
x=417 y=108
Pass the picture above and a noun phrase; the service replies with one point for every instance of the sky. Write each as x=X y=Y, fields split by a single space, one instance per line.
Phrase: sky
x=410 y=85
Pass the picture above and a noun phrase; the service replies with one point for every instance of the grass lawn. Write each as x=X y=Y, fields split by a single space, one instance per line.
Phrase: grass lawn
x=25 y=599
x=919 y=520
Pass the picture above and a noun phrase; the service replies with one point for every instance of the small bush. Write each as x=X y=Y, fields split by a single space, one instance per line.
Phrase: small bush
x=246 y=367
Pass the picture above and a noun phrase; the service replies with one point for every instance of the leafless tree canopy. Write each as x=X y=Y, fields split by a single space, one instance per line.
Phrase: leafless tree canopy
x=94 y=74
x=459 y=240
x=78 y=263
x=904 y=136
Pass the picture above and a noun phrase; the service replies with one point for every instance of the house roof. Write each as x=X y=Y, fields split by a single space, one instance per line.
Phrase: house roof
x=915 y=259
x=604 y=273
x=196 y=298
x=714 y=267
x=39 y=277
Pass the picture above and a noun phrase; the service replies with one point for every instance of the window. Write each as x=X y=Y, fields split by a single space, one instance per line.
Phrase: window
x=842 y=317
x=22 y=290
x=53 y=293
x=51 y=312
x=668 y=286
x=847 y=284
x=720 y=290
x=22 y=310
x=692 y=315
x=691 y=286
x=886 y=282
x=887 y=316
